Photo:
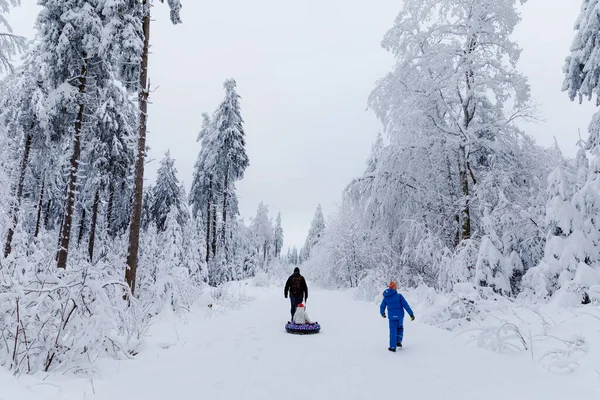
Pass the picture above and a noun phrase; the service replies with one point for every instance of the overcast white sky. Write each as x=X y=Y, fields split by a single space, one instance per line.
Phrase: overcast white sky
x=304 y=71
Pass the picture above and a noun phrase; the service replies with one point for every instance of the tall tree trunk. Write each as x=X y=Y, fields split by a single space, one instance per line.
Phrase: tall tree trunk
x=65 y=234
x=208 y=220
x=214 y=231
x=109 y=209
x=225 y=203
x=38 y=219
x=21 y=183
x=138 y=188
x=464 y=185
x=48 y=213
x=93 y=225
x=81 y=226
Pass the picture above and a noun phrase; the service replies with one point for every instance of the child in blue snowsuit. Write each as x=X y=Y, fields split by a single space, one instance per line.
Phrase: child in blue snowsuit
x=396 y=304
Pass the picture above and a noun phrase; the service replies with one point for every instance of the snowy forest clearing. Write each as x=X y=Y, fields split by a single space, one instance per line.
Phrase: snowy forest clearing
x=247 y=354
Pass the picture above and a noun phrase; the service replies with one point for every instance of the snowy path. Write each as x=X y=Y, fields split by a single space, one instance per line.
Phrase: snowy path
x=247 y=355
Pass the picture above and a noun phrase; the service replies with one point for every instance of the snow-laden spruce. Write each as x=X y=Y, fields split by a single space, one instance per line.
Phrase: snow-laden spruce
x=166 y=195
x=571 y=264
x=582 y=66
x=315 y=232
x=221 y=162
x=10 y=43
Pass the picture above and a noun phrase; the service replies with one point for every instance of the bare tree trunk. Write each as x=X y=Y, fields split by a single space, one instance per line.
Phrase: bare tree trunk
x=464 y=185
x=47 y=216
x=38 y=220
x=109 y=209
x=214 y=232
x=138 y=189
x=93 y=225
x=208 y=220
x=81 y=227
x=65 y=234
x=225 y=200
x=17 y=207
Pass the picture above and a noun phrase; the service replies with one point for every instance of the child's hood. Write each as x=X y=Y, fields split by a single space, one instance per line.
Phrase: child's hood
x=389 y=292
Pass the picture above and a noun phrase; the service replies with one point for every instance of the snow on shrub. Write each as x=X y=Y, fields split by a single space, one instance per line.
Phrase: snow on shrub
x=566 y=357
x=273 y=274
x=174 y=272
x=51 y=317
x=504 y=338
x=459 y=266
x=228 y=296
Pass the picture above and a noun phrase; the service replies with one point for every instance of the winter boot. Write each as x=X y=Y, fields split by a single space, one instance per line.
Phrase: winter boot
x=399 y=344
x=392 y=350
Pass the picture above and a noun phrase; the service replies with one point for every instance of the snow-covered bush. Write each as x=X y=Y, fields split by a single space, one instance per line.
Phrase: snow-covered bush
x=273 y=274
x=504 y=338
x=174 y=272
x=566 y=357
x=51 y=317
x=228 y=296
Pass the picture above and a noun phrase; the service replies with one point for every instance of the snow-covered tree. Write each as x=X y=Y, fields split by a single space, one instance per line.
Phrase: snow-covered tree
x=278 y=238
x=23 y=115
x=572 y=258
x=315 y=233
x=293 y=258
x=77 y=41
x=10 y=44
x=262 y=232
x=582 y=66
x=142 y=8
x=221 y=162
x=450 y=88
x=231 y=157
x=206 y=184
x=166 y=194
x=69 y=37
x=565 y=245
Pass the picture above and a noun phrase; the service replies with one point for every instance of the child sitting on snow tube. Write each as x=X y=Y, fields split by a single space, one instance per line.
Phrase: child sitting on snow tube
x=301 y=323
x=301 y=317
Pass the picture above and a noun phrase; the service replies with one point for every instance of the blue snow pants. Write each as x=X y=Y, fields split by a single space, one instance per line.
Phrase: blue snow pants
x=396 y=332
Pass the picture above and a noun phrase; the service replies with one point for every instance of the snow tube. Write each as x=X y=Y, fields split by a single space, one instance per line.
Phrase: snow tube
x=303 y=329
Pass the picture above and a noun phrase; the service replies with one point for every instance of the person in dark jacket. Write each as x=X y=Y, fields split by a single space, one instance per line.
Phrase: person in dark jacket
x=296 y=286
x=395 y=304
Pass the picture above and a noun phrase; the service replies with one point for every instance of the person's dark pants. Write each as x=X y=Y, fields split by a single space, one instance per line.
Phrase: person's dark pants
x=295 y=301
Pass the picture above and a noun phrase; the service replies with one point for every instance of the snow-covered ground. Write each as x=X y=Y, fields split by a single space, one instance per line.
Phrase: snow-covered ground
x=246 y=354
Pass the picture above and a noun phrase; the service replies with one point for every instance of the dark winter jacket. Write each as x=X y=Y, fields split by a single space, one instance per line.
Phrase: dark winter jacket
x=296 y=286
x=396 y=304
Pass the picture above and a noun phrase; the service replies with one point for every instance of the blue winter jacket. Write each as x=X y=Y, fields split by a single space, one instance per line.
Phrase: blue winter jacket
x=396 y=304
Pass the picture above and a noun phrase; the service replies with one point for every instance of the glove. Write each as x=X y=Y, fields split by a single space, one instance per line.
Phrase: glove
x=382 y=315
x=285 y=295
x=412 y=317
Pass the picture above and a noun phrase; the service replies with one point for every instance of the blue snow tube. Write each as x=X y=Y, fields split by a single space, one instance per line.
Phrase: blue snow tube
x=303 y=329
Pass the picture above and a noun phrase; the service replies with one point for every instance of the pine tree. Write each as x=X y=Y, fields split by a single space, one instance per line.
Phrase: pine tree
x=582 y=66
x=110 y=151
x=221 y=162
x=315 y=233
x=206 y=182
x=166 y=194
x=278 y=239
x=10 y=44
x=565 y=239
x=232 y=159
x=70 y=33
x=23 y=115
x=571 y=252
x=262 y=232
x=138 y=184
x=295 y=258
